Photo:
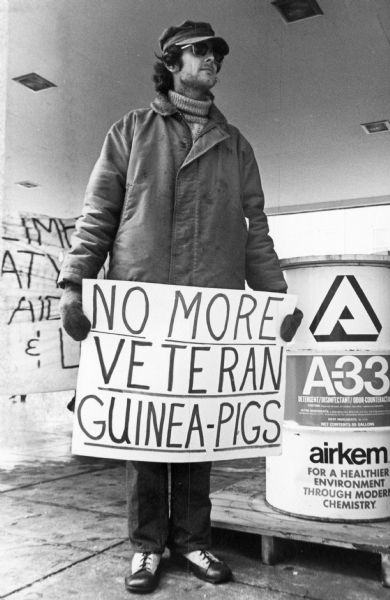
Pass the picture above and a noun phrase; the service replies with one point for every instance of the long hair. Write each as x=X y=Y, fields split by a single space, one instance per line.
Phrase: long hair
x=162 y=77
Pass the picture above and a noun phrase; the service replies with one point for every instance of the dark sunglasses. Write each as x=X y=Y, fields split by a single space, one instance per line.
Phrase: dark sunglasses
x=202 y=48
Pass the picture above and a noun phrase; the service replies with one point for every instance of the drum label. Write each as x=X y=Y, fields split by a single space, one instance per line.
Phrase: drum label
x=338 y=390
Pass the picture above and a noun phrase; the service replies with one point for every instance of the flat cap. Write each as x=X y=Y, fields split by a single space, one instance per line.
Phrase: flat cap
x=191 y=32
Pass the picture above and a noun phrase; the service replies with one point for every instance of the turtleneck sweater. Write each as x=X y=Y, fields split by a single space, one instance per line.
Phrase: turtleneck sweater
x=195 y=112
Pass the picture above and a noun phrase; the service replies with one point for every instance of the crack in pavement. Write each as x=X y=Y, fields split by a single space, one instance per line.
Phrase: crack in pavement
x=27 y=485
x=76 y=562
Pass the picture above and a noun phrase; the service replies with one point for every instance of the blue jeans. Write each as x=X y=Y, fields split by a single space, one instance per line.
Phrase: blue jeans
x=152 y=526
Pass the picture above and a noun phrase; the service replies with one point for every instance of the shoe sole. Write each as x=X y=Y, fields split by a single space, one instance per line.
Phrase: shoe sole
x=136 y=590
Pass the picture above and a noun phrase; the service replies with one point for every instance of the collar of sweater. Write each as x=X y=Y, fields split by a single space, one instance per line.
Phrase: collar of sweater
x=164 y=107
x=194 y=110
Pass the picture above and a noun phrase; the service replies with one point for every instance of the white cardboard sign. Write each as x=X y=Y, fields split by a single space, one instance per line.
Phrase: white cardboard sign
x=180 y=374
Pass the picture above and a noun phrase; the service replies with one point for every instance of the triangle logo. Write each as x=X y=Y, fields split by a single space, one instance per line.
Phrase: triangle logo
x=345 y=314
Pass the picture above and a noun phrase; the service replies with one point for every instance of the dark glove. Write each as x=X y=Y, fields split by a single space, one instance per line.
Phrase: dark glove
x=71 y=404
x=290 y=325
x=74 y=320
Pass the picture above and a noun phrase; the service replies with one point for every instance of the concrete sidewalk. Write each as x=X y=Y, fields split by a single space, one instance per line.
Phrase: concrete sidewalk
x=64 y=529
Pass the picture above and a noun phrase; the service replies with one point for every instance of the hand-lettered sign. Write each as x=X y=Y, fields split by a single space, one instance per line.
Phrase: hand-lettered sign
x=180 y=374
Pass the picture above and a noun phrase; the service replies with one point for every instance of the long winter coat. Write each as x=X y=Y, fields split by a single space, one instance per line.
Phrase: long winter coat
x=172 y=211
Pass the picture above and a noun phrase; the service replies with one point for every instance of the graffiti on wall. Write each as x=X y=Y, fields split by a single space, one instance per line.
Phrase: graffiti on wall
x=36 y=354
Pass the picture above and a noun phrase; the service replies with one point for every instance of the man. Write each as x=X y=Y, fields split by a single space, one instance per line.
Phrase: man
x=170 y=198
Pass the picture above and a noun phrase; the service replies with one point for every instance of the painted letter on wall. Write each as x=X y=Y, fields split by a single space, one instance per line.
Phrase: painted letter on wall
x=36 y=355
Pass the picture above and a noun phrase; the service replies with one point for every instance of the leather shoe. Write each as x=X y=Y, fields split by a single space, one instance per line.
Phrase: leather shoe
x=144 y=575
x=208 y=567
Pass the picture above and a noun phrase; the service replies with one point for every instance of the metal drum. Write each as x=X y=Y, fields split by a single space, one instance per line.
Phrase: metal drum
x=335 y=463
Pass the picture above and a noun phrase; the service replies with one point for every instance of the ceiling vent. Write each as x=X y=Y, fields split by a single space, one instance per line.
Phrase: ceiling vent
x=27 y=184
x=376 y=126
x=34 y=82
x=297 y=10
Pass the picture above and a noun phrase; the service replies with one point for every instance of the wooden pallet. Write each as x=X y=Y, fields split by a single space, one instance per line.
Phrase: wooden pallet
x=241 y=506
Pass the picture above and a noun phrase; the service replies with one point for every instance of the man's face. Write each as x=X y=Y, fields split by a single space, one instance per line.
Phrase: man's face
x=198 y=73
